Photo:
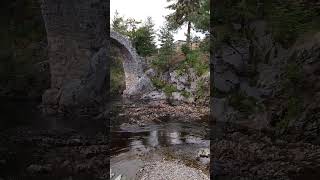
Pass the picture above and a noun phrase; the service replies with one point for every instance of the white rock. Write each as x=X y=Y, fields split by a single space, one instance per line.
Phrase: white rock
x=111 y=174
x=155 y=95
x=183 y=78
x=193 y=86
x=204 y=152
x=192 y=74
x=180 y=86
x=177 y=96
x=190 y=100
x=151 y=73
x=118 y=178
x=173 y=77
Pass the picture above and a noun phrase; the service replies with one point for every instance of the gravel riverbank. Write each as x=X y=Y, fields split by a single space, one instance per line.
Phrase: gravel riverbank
x=171 y=170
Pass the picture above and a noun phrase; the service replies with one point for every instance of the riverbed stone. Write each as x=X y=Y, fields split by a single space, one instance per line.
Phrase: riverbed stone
x=171 y=170
x=155 y=95
x=34 y=168
x=178 y=96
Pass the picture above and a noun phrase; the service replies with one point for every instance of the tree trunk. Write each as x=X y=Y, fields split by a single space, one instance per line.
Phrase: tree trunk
x=189 y=34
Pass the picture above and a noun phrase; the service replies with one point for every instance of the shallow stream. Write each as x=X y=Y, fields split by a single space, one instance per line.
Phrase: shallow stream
x=132 y=146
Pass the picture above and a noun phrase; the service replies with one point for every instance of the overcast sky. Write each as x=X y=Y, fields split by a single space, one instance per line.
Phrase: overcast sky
x=141 y=9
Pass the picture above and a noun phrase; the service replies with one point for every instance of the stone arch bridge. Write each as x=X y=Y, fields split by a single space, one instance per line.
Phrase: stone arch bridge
x=78 y=50
x=136 y=81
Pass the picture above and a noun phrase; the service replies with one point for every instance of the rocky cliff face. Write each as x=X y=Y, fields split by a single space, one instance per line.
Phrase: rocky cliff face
x=177 y=87
x=261 y=85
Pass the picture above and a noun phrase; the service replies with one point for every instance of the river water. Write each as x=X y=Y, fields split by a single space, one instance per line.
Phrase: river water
x=26 y=138
x=156 y=136
x=131 y=147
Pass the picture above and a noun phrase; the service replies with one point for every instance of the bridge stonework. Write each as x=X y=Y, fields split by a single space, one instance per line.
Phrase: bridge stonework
x=78 y=47
x=137 y=82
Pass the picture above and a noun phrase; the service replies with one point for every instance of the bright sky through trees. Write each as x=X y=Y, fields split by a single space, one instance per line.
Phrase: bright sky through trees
x=141 y=9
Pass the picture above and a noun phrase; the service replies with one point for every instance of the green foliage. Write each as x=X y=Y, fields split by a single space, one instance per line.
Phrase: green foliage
x=205 y=44
x=160 y=63
x=185 y=49
x=245 y=11
x=185 y=12
x=245 y=104
x=289 y=19
x=169 y=89
x=144 y=39
x=293 y=73
x=202 y=90
x=117 y=81
x=166 y=40
x=117 y=76
x=292 y=81
x=201 y=19
x=294 y=108
x=186 y=94
x=141 y=35
x=182 y=12
x=237 y=11
x=119 y=24
x=195 y=59
x=132 y=26
x=197 y=62
x=158 y=83
x=230 y=13
x=196 y=12
x=124 y=26
x=181 y=70
x=166 y=50
x=223 y=34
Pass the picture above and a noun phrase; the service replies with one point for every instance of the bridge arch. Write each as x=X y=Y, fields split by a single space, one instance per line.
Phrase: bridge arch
x=132 y=64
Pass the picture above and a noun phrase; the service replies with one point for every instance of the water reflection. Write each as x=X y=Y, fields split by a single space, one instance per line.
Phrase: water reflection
x=142 y=139
x=174 y=138
x=153 y=138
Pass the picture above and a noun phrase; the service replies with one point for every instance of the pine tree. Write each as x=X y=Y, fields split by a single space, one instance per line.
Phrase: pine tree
x=119 y=24
x=201 y=18
x=184 y=10
x=166 y=47
x=166 y=41
x=144 y=38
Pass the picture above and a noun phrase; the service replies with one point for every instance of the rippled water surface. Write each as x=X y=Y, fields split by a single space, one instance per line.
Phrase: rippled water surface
x=130 y=144
x=156 y=136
